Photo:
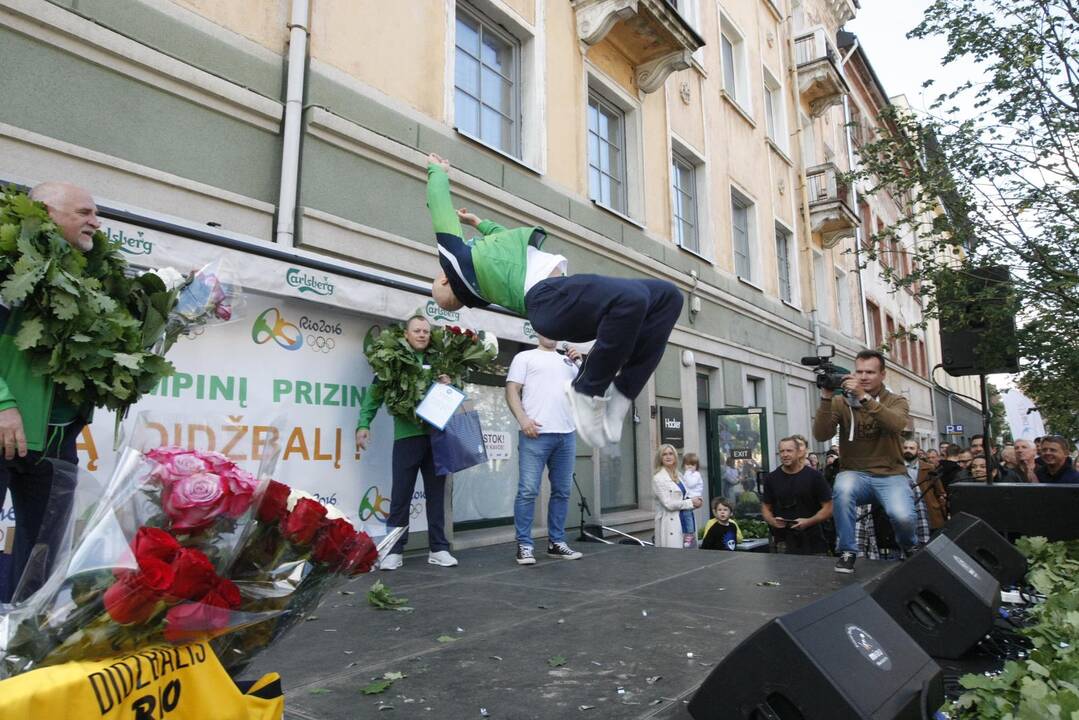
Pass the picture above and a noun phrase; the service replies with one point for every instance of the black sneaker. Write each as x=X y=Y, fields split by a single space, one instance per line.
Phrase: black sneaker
x=562 y=550
x=525 y=556
x=845 y=563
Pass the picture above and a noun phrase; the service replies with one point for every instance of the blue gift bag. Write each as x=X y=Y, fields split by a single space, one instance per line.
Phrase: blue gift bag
x=460 y=445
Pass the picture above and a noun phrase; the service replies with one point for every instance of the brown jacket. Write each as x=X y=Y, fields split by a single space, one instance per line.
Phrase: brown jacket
x=874 y=445
x=932 y=491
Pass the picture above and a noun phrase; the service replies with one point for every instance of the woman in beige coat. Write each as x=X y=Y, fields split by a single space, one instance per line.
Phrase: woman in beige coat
x=671 y=498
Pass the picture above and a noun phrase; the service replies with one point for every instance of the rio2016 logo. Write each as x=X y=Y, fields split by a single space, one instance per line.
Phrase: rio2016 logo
x=313 y=332
x=374 y=505
x=271 y=325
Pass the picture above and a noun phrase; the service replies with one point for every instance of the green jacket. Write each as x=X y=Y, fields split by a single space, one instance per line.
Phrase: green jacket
x=372 y=401
x=20 y=386
x=485 y=270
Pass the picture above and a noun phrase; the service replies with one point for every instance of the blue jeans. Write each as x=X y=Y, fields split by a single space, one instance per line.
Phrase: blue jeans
x=854 y=488
x=556 y=451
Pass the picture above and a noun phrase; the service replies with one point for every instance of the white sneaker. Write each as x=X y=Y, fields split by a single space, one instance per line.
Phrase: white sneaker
x=392 y=561
x=442 y=558
x=615 y=414
x=588 y=416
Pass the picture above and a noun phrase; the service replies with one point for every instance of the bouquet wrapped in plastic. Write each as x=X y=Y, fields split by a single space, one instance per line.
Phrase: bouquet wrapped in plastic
x=183 y=545
x=204 y=297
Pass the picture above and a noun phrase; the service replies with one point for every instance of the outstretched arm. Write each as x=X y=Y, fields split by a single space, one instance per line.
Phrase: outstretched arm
x=439 y=203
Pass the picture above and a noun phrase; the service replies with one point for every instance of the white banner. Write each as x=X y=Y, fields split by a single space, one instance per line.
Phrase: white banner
x=294 y=357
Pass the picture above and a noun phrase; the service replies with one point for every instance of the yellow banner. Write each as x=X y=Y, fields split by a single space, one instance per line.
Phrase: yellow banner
x=158 y=683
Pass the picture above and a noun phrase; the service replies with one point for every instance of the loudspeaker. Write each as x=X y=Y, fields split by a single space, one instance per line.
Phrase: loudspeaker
x=1021 y=508
x=998 y=556
x=841 y=657
x=977 y=330
x=942 y=597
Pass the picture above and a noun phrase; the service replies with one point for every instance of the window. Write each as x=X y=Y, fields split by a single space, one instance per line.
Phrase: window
x=486 y=83
x=756 y=392
x=904 y=347
x=873 y=310
x=890 y=328
x=742 y=231
x=783 y=263
x=775 y=111
x=606 y=153
x=867 y=224
x=733 y=57
x=684 y=195
x=820 y=288
x=844 y=311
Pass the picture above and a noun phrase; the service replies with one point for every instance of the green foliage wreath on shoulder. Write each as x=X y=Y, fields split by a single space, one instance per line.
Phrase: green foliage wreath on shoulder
x=85 y=323
x=402 y=379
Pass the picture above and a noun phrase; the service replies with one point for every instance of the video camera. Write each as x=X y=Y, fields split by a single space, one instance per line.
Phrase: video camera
x=829 y=376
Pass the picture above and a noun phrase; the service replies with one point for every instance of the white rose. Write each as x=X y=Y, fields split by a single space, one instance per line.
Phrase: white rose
x=172 y=277
x=490 y=341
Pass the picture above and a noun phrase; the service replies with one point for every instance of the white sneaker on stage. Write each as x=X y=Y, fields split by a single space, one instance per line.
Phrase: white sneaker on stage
x=441 y=558
x=392 y=561
x=588 y=416
x=614 y=414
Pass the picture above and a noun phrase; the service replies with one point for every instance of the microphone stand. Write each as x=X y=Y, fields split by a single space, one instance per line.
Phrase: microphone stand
x=586 y=536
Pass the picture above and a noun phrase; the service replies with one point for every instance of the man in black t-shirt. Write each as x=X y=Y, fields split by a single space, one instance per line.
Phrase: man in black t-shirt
x=795 y=501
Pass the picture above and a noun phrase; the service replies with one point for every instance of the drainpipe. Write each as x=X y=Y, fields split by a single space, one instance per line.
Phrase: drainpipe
x=290 y=149
x=858 y=230
x=807 y=247
x=854 y=199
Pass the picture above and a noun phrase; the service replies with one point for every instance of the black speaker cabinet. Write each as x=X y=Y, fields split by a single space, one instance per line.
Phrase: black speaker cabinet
x=977 y=333
x=1020 y=508
x=841 y=657
x=984 y=544
x=942 y=597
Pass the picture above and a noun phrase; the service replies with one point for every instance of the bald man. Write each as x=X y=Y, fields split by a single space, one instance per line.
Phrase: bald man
x=38 y=424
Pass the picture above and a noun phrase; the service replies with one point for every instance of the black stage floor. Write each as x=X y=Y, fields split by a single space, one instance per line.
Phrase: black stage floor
x=638 y=630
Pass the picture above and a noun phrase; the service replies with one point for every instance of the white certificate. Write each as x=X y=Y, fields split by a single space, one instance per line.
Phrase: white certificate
x=440 y=403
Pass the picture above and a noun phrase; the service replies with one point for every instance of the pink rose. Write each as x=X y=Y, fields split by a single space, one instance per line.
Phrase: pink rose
x=186 y=464
x=194 y=501
x=240 y=486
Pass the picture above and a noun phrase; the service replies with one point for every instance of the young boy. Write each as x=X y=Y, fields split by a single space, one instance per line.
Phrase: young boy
x=630 y=319
x=721 y=532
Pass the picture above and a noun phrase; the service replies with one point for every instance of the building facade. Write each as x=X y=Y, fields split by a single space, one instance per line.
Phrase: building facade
x=697 y=142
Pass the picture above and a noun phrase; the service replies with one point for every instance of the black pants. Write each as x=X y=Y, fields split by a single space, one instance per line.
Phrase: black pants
x=412 y=455
x=629 y=319
x=32 y=481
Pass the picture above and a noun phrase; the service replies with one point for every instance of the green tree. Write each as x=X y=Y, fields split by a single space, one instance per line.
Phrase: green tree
x=998 y=186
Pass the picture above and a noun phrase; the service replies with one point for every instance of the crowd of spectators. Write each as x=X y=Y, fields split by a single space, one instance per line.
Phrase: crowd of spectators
x=795 y=499
x=877 y=494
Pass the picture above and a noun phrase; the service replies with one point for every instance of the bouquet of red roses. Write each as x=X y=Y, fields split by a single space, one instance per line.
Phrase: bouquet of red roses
x=184 y=545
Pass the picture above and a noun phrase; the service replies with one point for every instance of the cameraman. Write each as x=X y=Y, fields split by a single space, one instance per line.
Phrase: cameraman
x=870 y=420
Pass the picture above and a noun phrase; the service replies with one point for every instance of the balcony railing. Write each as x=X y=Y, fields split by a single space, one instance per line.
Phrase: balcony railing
x=820 y=79
x=830 y=204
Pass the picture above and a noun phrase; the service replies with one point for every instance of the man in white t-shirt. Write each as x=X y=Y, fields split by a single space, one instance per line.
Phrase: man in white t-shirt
x=547 y=439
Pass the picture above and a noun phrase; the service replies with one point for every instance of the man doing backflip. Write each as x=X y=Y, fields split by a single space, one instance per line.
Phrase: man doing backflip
x=630 y=319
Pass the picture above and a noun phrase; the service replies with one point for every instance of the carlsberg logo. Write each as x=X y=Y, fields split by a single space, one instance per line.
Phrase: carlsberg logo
x=433 y=311
x=130 y=244
x=308 y=283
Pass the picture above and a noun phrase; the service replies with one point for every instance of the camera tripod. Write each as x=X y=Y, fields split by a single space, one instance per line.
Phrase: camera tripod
x=586 y=532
